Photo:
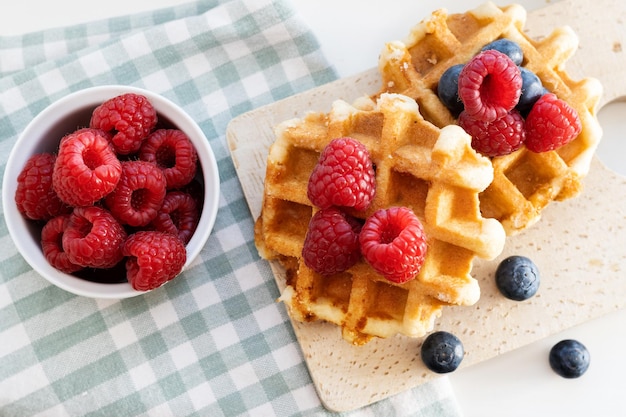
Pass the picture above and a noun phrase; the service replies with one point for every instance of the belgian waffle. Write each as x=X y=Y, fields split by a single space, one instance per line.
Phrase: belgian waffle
x=433 y=171
x=524 y=182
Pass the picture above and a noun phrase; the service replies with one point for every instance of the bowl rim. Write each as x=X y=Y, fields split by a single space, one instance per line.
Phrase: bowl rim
x=24 y=148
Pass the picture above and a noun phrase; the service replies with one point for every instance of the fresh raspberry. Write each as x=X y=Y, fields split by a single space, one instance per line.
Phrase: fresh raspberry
x=178 y=215
x=35 y=197
x=107 y=135
x=331 y=244
x=130 y=117
x=497 y=138
x=139 y=194
x=344 y=176
x=550 y=124
x=490 y=85
x=153 y=258
x=51 y=237
x=393 y=242
x=93 y=238
x=86 y=168
x=196 y=190
x=173 y=152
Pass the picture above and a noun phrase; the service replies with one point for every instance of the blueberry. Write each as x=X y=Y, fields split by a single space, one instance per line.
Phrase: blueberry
x=517 y=278
x=508 y=48
x=448 y=89
x=532 y=89
x=569 y=358
x=442 y=352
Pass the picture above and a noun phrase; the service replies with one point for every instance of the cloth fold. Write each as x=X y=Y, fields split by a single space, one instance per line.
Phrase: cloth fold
x=214 y=341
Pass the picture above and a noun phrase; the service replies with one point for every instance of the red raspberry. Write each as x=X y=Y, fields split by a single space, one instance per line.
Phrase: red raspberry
x=178 y=215
x=196 y=190
x=497 y=138
x=139 y=195
x=331 y=244
x=490 y=85
x=93 y=238
x=394 y=244
x=129 y=117
x=35 y=197
x=153 y=259
x=344 y=176
x=550 y=124
x=173 y=152
x=51 y=237
x=86 y=168
x=107 y=135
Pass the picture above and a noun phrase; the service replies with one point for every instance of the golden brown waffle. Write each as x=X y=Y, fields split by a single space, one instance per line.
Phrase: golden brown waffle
x=524 y=182
x=433 y=171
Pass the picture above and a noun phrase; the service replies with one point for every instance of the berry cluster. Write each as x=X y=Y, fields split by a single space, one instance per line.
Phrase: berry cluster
x=391 y=240
x=503 y=105
x=118 y=191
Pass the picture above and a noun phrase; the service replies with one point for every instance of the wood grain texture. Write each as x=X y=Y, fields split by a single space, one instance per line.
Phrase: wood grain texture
x=579 y=245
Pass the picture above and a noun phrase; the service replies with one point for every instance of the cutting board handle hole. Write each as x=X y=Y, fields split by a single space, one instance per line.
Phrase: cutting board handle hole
x=612 y=148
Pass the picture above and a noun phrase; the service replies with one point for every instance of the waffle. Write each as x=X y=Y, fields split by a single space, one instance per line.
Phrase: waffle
x=524 y=182
x=433 y=171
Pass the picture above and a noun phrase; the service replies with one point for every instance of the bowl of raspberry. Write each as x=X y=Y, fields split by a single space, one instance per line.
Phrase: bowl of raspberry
x=110 y=192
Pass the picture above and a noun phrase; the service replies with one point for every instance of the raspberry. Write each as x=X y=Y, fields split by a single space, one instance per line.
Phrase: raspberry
x=331 y=244
x=497 y=138
x=129 y=117
x=93 y=238
x=178 y=215
x=86 y=168
x=107 y=135
x=489 y=85
x=153 y=259
x=196 y=190
x=550 y=124
x=139 y=195
x=172 y=151
x=35 y=197
x=394 y=244
x=51 y=237
x=344 y=176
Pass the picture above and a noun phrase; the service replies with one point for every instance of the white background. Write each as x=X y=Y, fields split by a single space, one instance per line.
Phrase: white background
x=352 y=33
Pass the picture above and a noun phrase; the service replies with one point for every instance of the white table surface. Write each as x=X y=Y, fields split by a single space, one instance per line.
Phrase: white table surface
x=352 y=33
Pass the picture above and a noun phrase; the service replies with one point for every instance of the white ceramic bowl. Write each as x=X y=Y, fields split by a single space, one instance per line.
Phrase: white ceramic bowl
x=43 y=134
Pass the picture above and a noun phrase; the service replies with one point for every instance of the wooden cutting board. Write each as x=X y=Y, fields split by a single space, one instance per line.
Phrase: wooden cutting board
x=579 y=245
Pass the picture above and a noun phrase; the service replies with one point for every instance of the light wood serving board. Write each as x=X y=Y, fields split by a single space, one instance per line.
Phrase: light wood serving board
x=579 y=245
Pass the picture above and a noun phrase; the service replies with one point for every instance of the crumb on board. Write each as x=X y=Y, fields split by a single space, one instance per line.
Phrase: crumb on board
x=617 y=46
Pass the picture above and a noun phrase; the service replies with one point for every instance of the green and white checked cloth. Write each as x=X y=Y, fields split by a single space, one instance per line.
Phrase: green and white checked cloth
x=213 y=342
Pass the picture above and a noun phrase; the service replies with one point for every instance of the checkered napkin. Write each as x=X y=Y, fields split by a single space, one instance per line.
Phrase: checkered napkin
x=213 y=342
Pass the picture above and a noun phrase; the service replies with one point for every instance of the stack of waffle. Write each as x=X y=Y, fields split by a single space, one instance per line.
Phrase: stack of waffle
x=467 y=203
